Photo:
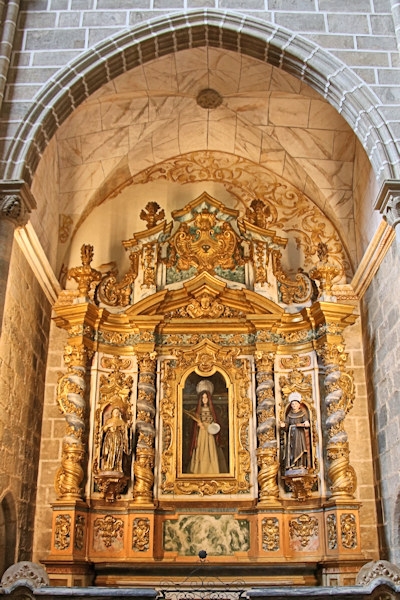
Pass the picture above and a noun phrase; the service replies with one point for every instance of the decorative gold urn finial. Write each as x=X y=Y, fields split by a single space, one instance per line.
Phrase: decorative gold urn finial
x=85 y=275
x=325 y=273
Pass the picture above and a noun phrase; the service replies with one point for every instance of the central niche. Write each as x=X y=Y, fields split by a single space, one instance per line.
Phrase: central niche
x=206 y=414
x=205 y=425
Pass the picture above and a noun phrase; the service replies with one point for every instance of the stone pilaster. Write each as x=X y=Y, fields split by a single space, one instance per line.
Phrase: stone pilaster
x=16 y=204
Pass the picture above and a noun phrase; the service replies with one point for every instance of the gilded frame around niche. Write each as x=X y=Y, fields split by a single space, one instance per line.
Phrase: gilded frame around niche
x=230 y=377
x=204 y=425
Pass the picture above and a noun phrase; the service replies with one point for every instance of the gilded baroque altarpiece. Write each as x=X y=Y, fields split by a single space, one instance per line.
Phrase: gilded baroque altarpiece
x=205 y=396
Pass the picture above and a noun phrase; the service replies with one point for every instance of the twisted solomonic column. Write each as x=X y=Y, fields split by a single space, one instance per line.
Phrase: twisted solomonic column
x=71 y=401
x=267 y=451
x=339 y=397
x=144 y=460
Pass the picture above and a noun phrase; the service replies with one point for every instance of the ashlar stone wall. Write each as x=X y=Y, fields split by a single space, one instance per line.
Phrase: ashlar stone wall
x=23 y=356
x=381 y=325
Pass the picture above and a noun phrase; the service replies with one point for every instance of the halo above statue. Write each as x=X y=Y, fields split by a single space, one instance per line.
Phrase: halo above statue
x=205 y=385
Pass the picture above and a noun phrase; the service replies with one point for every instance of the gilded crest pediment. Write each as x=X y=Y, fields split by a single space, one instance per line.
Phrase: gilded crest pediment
x=205 y=296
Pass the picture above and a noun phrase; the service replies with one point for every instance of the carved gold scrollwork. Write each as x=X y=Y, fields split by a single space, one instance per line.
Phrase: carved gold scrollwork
x=112 y=292
x=303 y=528
x=206 y=245
x=149 y=265
x=293 y=291
x=332 y=532
x=109 y=529
x=141 y=535
x=348 y=530
x=79 y=532
x=270 y=534
x=62 y=532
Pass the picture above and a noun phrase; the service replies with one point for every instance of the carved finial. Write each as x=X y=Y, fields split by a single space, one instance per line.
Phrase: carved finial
x=85 y=276
x=152 y=213
x=325 y=273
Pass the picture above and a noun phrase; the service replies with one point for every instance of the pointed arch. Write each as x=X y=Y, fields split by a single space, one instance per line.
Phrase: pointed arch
x=267 y=42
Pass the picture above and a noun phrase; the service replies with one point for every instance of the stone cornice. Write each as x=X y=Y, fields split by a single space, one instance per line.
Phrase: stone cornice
x=388 y=201
x=16 y=202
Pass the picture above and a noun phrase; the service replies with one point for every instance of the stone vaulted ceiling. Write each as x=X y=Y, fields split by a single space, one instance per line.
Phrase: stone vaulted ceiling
x=145 y=137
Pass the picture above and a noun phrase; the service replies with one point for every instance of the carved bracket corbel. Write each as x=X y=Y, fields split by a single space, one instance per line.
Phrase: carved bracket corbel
x=388 y=202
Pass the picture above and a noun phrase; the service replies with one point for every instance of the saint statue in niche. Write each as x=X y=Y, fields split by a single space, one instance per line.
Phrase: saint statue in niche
x=205 y=447
x=114 y=442
x=297 y=445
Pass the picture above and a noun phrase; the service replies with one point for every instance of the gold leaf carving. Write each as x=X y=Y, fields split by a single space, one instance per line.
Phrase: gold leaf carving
x=303 y=528
x=270 y=534
x=109 y=529
x=290 y=210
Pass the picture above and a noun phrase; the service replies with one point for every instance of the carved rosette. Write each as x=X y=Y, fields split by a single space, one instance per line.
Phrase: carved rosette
x=71 y=401
x=267 y=451
x=144 y=463
x=339 y=397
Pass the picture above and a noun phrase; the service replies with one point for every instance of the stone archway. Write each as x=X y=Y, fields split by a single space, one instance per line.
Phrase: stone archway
x=336 y=82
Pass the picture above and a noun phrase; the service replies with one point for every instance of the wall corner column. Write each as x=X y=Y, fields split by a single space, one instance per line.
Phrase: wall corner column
x=16 y=204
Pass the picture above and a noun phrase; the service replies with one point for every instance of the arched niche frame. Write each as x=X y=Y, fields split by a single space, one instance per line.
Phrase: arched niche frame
x=278 y=46
x=226 y=377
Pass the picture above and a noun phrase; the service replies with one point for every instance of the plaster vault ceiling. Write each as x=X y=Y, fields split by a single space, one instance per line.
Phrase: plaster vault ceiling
x=113 y=154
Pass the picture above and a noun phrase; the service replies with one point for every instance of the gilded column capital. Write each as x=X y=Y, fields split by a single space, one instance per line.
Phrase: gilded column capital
x=388 y=201
x=16 y=202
